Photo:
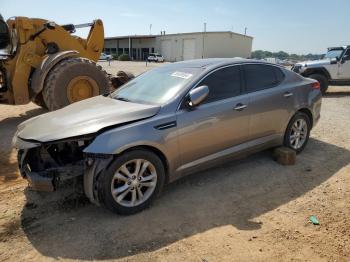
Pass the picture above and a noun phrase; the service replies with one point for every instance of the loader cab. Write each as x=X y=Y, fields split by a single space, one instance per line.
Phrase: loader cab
x=4 y=36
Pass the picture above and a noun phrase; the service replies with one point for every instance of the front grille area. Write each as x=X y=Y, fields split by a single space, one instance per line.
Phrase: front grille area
x=296 y=68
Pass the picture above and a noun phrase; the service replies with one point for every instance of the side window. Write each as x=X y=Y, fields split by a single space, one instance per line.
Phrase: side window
x=223 y=83
x=260 y=77
x=347 y=55
x=279 y=74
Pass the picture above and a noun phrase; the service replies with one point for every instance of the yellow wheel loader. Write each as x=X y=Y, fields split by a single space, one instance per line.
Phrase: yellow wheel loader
x=43 y=62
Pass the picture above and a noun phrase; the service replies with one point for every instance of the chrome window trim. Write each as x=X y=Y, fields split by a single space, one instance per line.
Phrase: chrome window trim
x=243 y=88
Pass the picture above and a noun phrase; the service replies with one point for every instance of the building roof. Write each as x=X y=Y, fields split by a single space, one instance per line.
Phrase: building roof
x=190 y=33
x=210 y=32
x=131 y=36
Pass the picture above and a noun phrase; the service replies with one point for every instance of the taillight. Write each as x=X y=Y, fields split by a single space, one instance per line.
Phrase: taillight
x=316 y=85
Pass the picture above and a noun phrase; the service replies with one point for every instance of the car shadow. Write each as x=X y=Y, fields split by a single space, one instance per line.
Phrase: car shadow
x=8 y=127
x=337 y=94
x=232 y=194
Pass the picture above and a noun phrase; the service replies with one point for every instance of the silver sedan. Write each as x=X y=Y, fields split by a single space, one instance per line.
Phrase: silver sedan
x=164 y=124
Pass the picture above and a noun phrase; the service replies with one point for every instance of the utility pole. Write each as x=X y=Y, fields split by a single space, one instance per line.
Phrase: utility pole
x=204 y=30
x=245 y=31
x=150 y=29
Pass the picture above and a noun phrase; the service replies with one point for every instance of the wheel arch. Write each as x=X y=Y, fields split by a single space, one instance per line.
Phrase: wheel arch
x=40 y=73
x=304 y=110
x=308 y=113
x=320 y=70
x=154 y=150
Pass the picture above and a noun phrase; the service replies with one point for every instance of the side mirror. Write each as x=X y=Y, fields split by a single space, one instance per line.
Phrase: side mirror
x=197 y=95
x=4 y=35
x=334 y=61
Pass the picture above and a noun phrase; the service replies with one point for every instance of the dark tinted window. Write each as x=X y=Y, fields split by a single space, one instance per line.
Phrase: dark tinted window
x=223 y=83
x=259 y=77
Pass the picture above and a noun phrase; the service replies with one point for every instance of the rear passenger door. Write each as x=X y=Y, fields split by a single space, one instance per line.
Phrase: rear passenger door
x=271 y=101
x=220 y=122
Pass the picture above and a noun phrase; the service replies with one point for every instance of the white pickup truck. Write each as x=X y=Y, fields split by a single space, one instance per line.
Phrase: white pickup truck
x=333 y=69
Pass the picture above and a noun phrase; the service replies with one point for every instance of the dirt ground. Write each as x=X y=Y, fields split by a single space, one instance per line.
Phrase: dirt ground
x=249 y=210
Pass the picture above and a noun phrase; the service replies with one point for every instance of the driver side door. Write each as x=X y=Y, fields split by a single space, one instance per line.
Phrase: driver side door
x=208 y=131
x=344 y=66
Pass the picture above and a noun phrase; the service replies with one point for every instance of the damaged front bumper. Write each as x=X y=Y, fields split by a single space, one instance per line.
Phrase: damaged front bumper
x=46 y=166
x=48 y=179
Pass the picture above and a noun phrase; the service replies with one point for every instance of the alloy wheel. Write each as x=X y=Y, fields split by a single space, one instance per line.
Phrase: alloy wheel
x=298 y=133
x=134 y=182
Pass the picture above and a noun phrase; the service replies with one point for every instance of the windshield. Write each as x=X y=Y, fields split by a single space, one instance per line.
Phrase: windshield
x=157 y=86
x=334 y=53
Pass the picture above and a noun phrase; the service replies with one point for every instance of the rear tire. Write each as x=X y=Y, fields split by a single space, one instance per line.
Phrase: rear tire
x=322 y=80
x=125 y=185
x=72 y=80
x=293 y=132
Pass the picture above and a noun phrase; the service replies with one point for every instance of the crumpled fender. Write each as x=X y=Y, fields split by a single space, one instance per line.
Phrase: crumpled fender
x=47 y=64
x=93 y=166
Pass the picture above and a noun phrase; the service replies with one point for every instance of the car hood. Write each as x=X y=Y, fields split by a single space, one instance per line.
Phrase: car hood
x=82 y=118
x=315 y=63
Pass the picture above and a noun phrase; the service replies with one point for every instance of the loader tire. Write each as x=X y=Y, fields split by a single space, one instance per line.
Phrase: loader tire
x=72 y=80
x=39 y=100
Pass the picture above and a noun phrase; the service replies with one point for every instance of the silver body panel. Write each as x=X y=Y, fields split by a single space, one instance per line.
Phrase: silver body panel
x=82 y=118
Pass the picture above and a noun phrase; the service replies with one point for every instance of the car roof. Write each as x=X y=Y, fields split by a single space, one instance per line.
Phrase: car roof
x=216 y=62
x=338 y=47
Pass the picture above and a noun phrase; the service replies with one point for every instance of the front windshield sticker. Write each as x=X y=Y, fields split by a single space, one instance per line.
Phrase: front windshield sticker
x=182 y=75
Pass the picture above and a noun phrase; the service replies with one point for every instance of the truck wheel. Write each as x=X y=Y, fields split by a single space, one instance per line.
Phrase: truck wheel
x=72 y=80
x=131 y=182
x=322 y=80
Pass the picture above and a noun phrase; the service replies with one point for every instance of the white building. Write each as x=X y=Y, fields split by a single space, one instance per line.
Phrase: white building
x=183 y=46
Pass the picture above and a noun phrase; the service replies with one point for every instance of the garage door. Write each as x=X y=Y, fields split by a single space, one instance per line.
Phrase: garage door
x=165 y=48
x=189 y=49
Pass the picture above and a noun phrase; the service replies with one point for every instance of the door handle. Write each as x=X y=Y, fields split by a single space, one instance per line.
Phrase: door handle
x=240 y=107
x=287 y=94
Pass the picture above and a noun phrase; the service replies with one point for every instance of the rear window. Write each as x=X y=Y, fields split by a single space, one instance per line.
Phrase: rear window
x=259 y=77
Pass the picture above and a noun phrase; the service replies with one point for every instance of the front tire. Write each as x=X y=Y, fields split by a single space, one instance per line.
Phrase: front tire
x=131 y=182
x=39 y=100
x=322 y=80
x=72 y=80
x=298 y=132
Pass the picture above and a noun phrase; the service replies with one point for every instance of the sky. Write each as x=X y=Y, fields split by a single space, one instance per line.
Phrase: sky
x=294 y=26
